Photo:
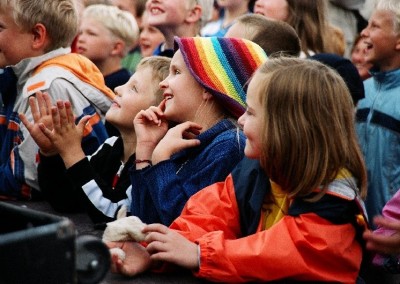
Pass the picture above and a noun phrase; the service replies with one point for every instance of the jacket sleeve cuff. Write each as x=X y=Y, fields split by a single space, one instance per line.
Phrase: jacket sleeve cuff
x=81 y=172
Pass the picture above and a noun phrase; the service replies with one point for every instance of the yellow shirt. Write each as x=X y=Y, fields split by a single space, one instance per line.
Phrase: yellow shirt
x=275 y=206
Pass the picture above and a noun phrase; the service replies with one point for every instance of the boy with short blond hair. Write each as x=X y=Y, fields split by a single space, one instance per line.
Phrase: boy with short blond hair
x=181 y=18
x=35 y=39
x=378 y=114
x=106 y=35
x=71 y=181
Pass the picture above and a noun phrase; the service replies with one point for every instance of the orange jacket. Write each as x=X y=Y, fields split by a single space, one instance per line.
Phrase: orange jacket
x=306 y=247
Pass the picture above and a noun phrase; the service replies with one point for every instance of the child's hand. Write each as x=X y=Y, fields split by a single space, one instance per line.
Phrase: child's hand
x=150 y=128
x=168 y=245
x=66 y=136
x=177 y=138
x=383 y=243
x=136 y=259
x=41 y=112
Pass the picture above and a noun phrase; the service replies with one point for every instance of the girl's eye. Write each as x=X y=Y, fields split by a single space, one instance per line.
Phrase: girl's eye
x=134 y=88
x=177 y=72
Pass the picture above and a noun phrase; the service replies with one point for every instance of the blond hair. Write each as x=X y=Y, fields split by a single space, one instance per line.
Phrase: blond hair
x=393 y=6
x=120 y=23
x=309 y=133
x=160 y=71
x=60 y=17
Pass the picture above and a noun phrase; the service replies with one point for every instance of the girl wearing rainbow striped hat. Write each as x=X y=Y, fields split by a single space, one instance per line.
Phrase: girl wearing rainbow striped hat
x=290 y=213
x=204 y=95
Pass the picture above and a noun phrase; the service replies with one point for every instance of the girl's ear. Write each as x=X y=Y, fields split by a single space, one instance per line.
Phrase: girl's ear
x=207 y=95
x=194 y=14
x=40 y=39
x=398 y=43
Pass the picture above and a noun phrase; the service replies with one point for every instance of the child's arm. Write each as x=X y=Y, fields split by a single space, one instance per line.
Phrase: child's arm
x=150 y=128
x=160 y=192
x=303 y=248
x=384 y=243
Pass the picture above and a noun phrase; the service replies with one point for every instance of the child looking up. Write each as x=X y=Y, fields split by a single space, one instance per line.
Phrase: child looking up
x=204 y=95
x=106 y=35
x=206 y=143
x=35 y=40
x=106 y=171
x=378 y=114
x=299 y=224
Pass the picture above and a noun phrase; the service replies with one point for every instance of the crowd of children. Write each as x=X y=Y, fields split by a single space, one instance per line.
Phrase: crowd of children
x=248 y=143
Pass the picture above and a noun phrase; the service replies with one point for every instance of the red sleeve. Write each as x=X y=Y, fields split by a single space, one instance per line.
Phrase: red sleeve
x=306 y=248
x=213 y=208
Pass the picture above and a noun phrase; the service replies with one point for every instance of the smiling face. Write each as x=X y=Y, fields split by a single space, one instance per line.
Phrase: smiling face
x=252 y=120
x=164 y=13
x=382 y=41
x=358 y=59
x=95 y=41
x=15 y=44
x=150 y=37
x=137 y=94
x=182 y=91
x=272 y=9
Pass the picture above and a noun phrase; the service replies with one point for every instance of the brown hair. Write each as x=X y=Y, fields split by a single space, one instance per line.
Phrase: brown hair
x=160 y=71
x=309 y=133
x=309 y=19
x=272 y=36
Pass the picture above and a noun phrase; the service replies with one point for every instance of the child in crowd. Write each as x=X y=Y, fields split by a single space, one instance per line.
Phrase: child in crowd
x=204 y=146
x=149 y=38
x=309 y=19
x=206 y=143
x=273 y=36
x=106 y=34
x=300 y=224
x=378 y=115
x=231 y=10
x=358 y=58
x=106 y=171
x=181 y=18
x=35 y=41
x=137 y=9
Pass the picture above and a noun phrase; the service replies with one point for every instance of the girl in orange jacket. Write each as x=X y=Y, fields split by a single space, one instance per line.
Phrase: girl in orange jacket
x=293 y=209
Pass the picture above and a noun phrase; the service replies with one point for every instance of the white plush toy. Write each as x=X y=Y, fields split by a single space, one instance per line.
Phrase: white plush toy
x=123 y=229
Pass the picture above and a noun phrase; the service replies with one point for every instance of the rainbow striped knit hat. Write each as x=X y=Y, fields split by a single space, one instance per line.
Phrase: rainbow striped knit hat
x=223 y=66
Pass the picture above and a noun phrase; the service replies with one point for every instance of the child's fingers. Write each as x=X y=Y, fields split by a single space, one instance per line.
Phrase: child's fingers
x=25 y=121
x=42 y=106
x=82 y=123
x=69 y=113
x=34 y=108
x=155 y=228
x=162 y=105
x=48 y=103
x=62 y=113
x=47 y=132
x=56 y=118
x=386 y=223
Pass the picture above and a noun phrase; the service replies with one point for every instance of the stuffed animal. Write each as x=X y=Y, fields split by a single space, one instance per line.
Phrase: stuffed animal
x=123 y=229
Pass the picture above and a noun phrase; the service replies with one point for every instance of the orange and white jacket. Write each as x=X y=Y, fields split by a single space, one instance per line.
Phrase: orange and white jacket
x=313 y=242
